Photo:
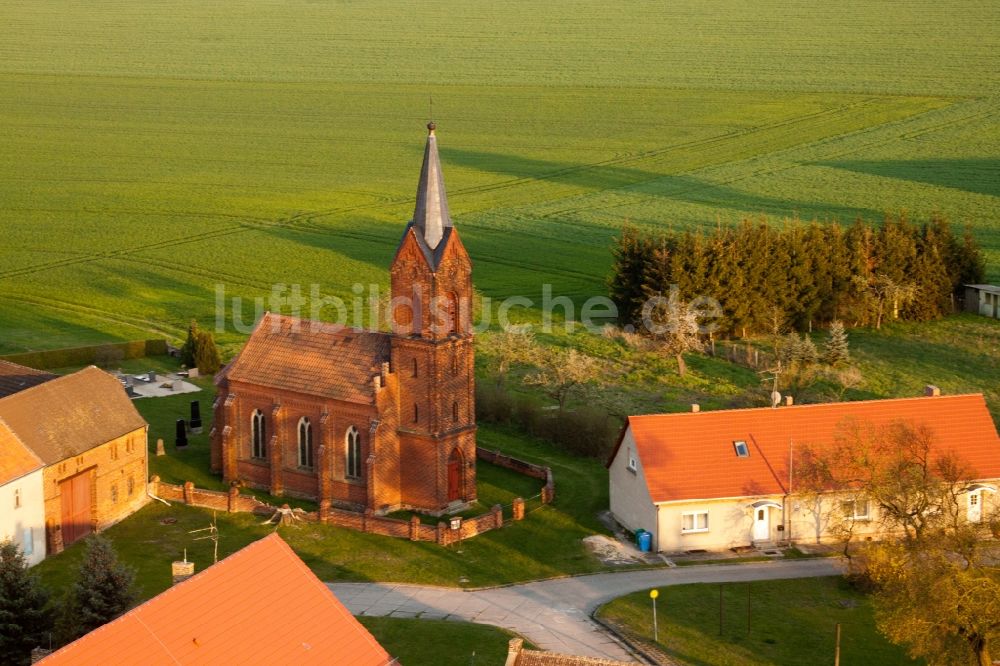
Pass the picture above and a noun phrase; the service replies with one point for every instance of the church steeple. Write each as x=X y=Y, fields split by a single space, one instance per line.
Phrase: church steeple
x=430 y=217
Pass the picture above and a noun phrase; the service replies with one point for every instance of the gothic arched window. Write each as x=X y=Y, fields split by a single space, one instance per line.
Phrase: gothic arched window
x=257 y=434
x=305 y=443
x=352 y=442
x=454 y=313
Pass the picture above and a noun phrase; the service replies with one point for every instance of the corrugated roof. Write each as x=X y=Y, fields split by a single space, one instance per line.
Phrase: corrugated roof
x=14 y=378
x=313 y=358
x=260 y=605
x=992 y=288
x=691 y=455
x=16 y=459
x=70 y=414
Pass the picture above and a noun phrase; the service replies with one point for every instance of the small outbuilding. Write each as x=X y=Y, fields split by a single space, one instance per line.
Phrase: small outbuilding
x=983 y=299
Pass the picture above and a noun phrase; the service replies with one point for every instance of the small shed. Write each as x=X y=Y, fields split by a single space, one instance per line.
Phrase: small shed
x=983 y=299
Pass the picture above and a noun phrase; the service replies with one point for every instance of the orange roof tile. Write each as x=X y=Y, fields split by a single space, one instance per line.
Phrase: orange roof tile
x=14 y=377
x=310 y=357
x=260 y=605
x=16 y=459
x=691 y=455
x=70 y=414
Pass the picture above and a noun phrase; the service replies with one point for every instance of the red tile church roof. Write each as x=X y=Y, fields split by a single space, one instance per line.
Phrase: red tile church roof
x=691 y=455
x=313 y=358
x=260 y=605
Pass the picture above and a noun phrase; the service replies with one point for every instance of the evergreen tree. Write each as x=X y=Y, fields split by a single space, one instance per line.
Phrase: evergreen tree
x=835 y=349
x=25 y=618
x=632 y=254
x=103 y=591
x=188 y=350
x=206 y=354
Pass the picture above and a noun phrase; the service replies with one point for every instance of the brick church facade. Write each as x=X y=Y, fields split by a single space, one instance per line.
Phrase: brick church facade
x=365 y=420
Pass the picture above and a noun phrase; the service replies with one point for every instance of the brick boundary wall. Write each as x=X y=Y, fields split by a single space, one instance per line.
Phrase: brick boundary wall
x=412 y=529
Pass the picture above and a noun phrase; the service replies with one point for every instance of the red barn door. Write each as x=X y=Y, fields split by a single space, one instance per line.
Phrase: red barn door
x=77 y=509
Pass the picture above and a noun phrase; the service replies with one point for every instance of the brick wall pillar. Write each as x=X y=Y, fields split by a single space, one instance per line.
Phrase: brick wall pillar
x=518 y=508
x=188 y=492
x=226 y=432
x=324 y=510
x=414 y=528
x=275 y=450
x=232 y=501
x=497 y=512
x=325 y=474
x=442 y=534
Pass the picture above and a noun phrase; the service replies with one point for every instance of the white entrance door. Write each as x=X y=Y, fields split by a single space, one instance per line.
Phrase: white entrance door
x=975 y=506
x=761 y=524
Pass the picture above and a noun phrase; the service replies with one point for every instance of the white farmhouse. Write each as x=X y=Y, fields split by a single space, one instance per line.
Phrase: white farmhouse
x=726 y=479
x=22 y=500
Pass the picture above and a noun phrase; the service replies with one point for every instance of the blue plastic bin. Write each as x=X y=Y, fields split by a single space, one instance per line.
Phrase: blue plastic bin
x=638 y=536
x=645 y=541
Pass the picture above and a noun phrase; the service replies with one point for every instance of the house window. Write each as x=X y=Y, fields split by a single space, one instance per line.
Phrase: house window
x=305 y=443
x=17 y=498
x=856 y=509
x=742 y=451
x=114 y=493
x=257 y=431
x=694 y=521
x=114 y=452
x=28 y=541
x=130 y=485
x=453 y=313
x=633 y=464
x=352 y=442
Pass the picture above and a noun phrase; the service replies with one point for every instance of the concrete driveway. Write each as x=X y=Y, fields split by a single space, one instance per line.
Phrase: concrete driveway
x=555 y=614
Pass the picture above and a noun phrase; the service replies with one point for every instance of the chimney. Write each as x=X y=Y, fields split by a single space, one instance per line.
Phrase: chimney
x=181 y=571
x=932 y=391
x=789 y=401
x=695 y=408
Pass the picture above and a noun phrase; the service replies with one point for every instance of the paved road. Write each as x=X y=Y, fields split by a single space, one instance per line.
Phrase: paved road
x=555 y=614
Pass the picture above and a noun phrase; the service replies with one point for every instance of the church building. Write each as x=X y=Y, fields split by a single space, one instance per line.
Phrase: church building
x=365 y=420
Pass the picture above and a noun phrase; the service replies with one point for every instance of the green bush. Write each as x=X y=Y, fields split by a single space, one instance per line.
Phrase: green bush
x=91 y=355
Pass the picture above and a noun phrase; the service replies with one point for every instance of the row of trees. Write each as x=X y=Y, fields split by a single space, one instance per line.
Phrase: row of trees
x=766 y=276
x=104 y=589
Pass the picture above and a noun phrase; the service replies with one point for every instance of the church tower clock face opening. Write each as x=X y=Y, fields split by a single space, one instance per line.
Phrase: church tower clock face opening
x=390 y=416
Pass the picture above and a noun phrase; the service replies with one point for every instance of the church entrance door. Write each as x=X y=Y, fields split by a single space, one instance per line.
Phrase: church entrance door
x=455 y=476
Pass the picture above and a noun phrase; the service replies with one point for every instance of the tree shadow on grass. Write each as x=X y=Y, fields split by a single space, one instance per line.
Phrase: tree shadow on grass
x=676 y=187
x=978 y=175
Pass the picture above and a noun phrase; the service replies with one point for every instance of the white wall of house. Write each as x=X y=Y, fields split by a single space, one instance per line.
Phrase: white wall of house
x=22 y=515
x=631 y=504
x=727 y=523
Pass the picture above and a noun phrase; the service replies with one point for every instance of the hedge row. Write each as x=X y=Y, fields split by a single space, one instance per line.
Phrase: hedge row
x=61 y=358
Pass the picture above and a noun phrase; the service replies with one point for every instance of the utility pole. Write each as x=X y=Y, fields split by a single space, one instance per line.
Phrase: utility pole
x=836 y=651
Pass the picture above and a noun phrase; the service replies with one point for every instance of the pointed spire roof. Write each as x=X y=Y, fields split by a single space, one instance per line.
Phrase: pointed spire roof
x=430 y=217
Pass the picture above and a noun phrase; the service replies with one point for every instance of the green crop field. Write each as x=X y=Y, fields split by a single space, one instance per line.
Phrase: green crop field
x=150 y=151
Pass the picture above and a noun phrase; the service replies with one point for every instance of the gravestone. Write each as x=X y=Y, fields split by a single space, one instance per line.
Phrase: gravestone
x=182 y=437
x=195 y=417
x=160 y=450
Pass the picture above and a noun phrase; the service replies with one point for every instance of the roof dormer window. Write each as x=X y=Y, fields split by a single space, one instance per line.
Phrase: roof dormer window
x=742 y=451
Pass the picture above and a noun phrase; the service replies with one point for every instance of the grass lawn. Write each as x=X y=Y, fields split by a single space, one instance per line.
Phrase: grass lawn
x=440 y=642
x=793 y=623
x=547 y=543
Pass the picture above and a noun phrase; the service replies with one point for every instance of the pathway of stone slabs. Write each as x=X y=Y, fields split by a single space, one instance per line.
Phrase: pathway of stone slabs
x=555 y=614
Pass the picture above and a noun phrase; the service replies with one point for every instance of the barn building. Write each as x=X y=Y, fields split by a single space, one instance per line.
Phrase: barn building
x=365 y=420
x=82 y=450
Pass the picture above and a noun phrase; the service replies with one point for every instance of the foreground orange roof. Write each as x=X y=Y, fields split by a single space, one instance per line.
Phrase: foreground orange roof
x=691 y=456
x=260 y=605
